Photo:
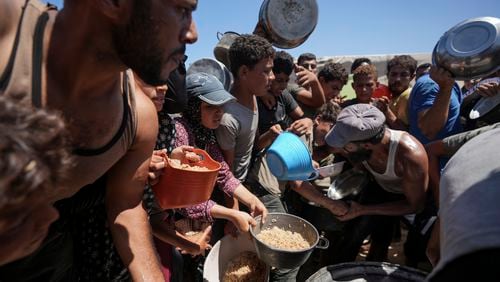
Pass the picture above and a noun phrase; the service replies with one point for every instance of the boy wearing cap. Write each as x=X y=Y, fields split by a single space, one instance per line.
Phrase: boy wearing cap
x=396 y=160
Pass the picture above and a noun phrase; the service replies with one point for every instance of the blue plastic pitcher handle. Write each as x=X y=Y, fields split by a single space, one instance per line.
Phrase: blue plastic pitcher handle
x=314 y=175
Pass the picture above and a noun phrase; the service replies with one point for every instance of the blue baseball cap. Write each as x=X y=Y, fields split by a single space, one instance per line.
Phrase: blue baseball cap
x=208 y=88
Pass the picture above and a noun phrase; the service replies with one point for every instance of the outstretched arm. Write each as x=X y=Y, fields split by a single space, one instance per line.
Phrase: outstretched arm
x=127 y=218
x=432 y=120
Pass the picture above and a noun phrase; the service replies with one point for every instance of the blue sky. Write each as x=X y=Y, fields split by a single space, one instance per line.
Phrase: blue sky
x=347 y=27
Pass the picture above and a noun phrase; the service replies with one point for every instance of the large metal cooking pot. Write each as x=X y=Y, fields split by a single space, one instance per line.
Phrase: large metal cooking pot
x=221 y=50
x=282 y=258
x=288 y=23
x=214 y=68
x=471 y=49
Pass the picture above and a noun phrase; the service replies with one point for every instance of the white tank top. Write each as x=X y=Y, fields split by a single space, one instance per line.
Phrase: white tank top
x=389 y=181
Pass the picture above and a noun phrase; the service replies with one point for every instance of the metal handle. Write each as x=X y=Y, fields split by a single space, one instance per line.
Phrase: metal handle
x=219 y=35
x=323 y=243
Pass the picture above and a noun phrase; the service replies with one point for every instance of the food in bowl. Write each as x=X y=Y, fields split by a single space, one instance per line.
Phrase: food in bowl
x=246 y=266
x=177 y=164
x=283 y=239
x=191 y=228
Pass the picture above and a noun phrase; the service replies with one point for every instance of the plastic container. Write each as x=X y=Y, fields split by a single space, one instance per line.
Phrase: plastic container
x=289 y=159
x=183 y=187
x=223 y=251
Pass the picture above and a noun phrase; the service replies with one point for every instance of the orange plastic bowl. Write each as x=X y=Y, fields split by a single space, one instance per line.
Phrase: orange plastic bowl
x=179 y=187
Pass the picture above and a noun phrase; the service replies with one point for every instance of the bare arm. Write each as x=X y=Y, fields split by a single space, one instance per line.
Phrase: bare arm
x=413 y=167
x=434 y=151
x=253 y=203
x=168 y=234
x=229 y=157
x=10 y=13
x=268 y=137
x=432 y=120
x=308 y=191
x=127 y=218
x=307 y=79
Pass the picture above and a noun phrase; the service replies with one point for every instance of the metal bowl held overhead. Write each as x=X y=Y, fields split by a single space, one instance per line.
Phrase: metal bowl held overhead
x=471 y=49
x=213 y=67
x=288 y=23
x=286 y=258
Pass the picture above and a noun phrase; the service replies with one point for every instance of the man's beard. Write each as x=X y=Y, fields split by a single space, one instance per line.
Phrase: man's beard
x=396 y=89
x=137 y=45
x=359 y=156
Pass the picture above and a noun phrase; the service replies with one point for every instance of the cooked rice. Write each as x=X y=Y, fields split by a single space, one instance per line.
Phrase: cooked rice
x=191 y=228
x=283 y=239
x=177 y=164
x=245 y=266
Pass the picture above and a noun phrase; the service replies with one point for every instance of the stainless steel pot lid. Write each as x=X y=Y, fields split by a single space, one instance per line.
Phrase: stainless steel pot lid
x=470 y=49
x=472 y=37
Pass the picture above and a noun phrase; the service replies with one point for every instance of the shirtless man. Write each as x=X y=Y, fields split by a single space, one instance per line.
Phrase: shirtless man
x=396 y=160
x=87 y=46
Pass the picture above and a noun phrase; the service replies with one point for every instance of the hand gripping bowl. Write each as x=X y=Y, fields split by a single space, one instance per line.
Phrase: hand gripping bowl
x=287 y=259
x=470 y=49
x=179 y=187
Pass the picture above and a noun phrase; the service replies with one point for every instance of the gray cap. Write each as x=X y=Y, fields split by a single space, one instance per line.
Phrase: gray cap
x=208 y=88
x=355 y=123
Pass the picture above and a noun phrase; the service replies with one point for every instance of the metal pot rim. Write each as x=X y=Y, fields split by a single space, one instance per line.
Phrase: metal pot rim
x=258 y=219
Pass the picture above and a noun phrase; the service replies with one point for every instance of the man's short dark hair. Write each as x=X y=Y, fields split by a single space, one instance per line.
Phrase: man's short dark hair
x=328 y=112
x=358 y=62
x=306 y=57
x=283 y=63
x=248 y=50
x=405 y=61
x=34 y=155
x=334 y=71
x=423 y=66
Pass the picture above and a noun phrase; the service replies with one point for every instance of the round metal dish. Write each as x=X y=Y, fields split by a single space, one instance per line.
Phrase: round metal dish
x=348 y=183
x=470 y=49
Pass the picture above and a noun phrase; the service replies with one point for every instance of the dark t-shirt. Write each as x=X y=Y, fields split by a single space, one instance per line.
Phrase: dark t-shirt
x=280 y=113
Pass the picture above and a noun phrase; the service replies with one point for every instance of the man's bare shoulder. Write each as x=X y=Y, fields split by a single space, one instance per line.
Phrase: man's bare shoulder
x=147 y=118
x=411 y=149
x=10 y=13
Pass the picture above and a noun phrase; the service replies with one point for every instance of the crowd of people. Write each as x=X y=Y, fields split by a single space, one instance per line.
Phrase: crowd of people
x=95 y=97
